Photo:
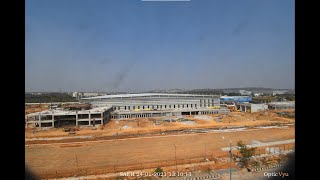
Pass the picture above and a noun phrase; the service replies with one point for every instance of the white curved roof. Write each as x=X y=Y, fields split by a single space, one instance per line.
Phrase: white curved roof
x=149 y=94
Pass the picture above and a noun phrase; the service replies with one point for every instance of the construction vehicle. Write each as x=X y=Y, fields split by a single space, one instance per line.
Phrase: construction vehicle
x=232 y=108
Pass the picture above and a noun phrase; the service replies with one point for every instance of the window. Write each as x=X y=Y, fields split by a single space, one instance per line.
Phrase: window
x=191 y=105
x=133 y=107
x=125 y=107
x=138 y=107
x=174 y=106
x=187 y=105
x=165 y=106
x=142 y=107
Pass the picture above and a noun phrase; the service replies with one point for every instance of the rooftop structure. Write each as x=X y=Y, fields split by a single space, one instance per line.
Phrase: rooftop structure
x=250 y=107
x=235 y=99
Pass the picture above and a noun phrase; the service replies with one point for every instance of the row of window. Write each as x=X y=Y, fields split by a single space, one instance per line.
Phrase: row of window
x=163 y=106
x=159 y=106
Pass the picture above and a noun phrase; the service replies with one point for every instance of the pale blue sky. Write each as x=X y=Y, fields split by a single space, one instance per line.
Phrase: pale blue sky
x=130 y=45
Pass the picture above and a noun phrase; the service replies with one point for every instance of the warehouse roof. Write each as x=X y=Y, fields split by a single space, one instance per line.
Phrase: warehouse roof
x=149 y=95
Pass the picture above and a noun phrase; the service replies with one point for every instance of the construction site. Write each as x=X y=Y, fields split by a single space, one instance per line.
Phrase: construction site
x=99 y=142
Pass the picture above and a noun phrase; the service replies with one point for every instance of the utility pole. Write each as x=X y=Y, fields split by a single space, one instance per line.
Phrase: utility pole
x=230 y=151
x=77 y=164
x=175 y=155
x=205 y=151
x=230 y=159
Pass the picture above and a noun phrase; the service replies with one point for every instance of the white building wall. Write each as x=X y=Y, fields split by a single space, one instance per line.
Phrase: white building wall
x=258 y=107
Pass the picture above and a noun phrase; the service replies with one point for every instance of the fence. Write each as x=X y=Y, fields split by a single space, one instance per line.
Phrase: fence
x=183 y=163
x=178 y=163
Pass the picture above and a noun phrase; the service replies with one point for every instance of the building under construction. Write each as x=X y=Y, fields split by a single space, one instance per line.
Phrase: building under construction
x=157 y=104
x=127 y=106
x=61 y=118
x=282 y=105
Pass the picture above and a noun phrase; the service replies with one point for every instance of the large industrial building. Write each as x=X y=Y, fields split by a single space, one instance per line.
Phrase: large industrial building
x=157 y=104
x=154 y=101
x=123 y=106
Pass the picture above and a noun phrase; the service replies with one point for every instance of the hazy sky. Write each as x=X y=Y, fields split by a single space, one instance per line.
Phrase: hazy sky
x=131 y=45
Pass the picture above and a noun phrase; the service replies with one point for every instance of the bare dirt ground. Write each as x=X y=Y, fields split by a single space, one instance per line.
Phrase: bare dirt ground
x=107 y=153
x=35 y=108
x=48 y=160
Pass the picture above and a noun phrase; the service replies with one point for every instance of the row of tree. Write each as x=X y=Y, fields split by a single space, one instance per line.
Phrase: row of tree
x=49 y=97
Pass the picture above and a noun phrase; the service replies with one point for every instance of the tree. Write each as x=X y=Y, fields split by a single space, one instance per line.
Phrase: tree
x=246 y=152
x=159 y=171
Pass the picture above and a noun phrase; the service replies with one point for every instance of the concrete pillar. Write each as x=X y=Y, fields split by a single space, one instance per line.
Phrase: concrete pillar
x=102 y=118
x=245 y=108
x=26 y=121
x=52 y=120
x=76 y=118
x=89 y=118
x=39 y=120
